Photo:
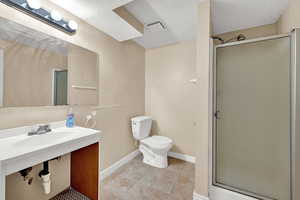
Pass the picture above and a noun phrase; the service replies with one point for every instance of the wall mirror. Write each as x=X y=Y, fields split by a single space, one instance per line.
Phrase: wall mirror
x=39 y=70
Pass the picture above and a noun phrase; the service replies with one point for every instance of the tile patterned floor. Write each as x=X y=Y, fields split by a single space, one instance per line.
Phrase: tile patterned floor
x=138 y=181
x=70 y=194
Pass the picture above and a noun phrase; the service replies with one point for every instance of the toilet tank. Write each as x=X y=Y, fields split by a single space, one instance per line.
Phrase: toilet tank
x=141 y=127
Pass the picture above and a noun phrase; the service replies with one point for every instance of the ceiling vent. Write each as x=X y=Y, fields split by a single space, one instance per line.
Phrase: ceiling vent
x=157 y=26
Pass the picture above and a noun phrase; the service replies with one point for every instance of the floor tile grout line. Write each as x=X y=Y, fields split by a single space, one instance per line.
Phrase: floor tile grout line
x=178 y=171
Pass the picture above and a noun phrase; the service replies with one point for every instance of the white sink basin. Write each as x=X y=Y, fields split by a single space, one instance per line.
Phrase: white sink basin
x=55 y=136
x=19 y=151
x=39 y=140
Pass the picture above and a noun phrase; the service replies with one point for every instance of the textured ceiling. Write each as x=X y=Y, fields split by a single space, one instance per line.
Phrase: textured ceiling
x=179 y=16
x=231 y=15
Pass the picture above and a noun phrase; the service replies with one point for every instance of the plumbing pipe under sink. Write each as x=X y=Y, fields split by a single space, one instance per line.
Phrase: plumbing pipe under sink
x=46 y=182
x=45 y=176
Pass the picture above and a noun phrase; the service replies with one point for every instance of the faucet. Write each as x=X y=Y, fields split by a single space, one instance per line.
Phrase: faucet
x=42 y=129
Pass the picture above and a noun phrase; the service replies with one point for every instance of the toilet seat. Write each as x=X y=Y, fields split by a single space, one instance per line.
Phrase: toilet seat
x=157 y=142
x=155 y=150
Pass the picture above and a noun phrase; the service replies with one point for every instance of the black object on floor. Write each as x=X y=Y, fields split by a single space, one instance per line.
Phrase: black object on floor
x=70 y=194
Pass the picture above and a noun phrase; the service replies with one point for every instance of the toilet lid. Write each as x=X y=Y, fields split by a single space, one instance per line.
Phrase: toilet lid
x=157 y=141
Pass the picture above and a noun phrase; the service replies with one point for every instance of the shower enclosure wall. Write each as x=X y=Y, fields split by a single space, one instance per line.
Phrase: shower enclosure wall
x=254 y=119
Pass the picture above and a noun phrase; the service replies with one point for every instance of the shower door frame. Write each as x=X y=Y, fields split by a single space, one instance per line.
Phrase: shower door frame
x=222 y=192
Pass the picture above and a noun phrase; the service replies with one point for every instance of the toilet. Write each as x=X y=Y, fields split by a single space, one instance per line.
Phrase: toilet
x=154 y=149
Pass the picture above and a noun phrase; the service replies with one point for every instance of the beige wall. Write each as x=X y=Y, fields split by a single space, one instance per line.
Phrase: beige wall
x=83 y=71
x=255 y=32
x=285 y=22
x=28 y=75
x=121 y=82
x=202 y=67
x=170 y=97
x=290 y=18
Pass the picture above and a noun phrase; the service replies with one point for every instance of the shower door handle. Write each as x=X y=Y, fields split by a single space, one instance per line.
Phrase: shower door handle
x=217 y=114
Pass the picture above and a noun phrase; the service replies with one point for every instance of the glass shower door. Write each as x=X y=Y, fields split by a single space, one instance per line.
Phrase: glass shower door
x=252 y=119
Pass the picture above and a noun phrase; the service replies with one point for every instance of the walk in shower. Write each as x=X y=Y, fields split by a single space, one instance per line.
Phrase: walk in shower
x=253 y=119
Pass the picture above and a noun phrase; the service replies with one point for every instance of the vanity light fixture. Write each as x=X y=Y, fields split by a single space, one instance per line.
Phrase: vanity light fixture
x=56 y=15
x=34 y=4
x=33 y=8
x=73 y=25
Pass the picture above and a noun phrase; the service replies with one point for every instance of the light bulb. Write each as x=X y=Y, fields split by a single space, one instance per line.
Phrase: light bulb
x=56 y=15
x=73 y=25
x=34 y=4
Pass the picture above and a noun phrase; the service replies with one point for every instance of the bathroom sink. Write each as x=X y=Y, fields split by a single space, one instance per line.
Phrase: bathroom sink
x=40 y=140
x=19 y=151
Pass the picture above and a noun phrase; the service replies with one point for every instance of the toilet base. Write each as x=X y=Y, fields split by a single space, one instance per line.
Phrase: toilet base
x=154 y=159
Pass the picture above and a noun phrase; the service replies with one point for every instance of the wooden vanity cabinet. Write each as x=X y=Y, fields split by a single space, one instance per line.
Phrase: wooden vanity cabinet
x=85 y=171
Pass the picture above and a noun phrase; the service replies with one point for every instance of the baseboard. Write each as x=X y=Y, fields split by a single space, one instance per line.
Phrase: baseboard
x=197 y=196
x=108 y=171
x=184 y=157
